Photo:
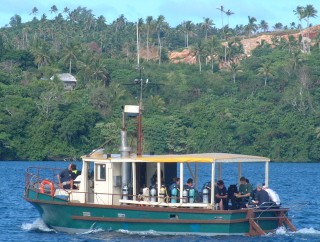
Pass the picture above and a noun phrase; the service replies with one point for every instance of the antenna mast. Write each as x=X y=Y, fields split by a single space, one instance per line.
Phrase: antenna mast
x=140 y=134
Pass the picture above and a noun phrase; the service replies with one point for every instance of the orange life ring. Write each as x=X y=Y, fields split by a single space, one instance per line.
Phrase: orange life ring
x=47 y=182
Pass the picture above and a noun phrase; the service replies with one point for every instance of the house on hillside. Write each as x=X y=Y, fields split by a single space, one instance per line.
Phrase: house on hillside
x=69 y=81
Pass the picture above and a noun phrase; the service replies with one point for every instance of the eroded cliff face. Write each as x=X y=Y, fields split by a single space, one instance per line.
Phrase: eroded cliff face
x=249 y=44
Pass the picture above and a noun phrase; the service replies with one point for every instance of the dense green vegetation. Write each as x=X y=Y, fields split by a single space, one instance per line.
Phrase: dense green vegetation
x=267 y=104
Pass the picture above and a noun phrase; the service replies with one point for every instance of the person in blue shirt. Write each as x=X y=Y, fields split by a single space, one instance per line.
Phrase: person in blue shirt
x=65 y=178
x=221 y=195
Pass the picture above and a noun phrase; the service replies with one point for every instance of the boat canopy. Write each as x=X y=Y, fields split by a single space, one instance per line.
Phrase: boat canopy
x=183 y=158
x=203 y=158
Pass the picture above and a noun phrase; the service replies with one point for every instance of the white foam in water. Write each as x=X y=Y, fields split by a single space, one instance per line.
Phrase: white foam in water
x=308 y=231
x=281 y=231
x=149 y=232
x=36 y=225
x=92 y=231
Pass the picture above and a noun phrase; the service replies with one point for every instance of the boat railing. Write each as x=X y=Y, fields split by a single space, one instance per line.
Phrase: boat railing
x=35 y=175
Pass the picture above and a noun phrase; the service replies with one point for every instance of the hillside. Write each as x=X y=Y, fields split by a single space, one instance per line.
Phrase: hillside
x=266 y=102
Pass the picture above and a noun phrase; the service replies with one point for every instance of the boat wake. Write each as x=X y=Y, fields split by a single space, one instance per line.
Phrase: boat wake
x=304 y=231
x=143 y=233
x=37 y=225
x=308 y=231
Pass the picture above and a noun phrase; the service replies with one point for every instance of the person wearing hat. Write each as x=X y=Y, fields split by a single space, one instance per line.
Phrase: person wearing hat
x=261 y=196
x=221 y=195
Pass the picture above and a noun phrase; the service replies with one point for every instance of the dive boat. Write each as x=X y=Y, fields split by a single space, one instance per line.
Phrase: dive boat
x=126 y=192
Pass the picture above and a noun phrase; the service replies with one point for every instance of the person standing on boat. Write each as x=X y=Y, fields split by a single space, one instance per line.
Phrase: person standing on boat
x=221 y=195
x=245 y=190
x=65 y=178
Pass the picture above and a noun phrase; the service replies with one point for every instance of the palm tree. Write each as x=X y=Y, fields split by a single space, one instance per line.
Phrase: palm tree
x=15 y=20
x=138 y=38
x=120 y=22
x=309 y=12
x=293 y=25
x=300 y=12
x=159 y=27
x=25 y=32
x=53 y=9
x=265 y=71
x=278 y=26
x=221 y=9
x=251 y=27
x=207 y=25
x=41 y=55
x=156 y=104
x=66 y=11
x=101 y=22
x=234 y=68
x=188 y=27
x=235 y=49
x=198 y=49
x=264 y=26
x=34 y=11
x=229 y=13
x=149 y=21
x=71 y=51
x=213 y=45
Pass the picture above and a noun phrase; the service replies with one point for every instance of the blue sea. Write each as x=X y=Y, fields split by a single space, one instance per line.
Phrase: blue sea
x=296 y=183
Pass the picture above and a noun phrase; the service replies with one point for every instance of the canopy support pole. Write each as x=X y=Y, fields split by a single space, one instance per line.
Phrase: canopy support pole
x=181 y=181
x=239 y=171
x=219 y=171
x=266 y=182
x=158 y=177
x=196 y=175
x=134 y=181
x=212 y=182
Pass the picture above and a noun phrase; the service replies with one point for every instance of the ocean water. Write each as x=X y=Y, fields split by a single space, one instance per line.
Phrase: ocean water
x=296 y=183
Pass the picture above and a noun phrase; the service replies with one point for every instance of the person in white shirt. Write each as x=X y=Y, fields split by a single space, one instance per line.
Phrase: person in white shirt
x=274 y=197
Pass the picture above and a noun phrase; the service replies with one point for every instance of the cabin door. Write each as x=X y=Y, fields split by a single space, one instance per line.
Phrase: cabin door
x=103 y=184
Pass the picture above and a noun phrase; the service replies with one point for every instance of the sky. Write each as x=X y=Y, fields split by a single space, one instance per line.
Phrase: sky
x=174 y=11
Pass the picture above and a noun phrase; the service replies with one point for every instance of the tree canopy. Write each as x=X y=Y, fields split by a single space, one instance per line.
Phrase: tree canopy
x=267 y=103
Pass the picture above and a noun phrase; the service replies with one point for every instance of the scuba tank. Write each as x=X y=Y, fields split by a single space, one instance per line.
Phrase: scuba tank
x=145 y=193
x=153 y=194
x=174 y=194
x=162 y=194
x=205 y=195
x=192 y=193
x=125 y=192
x=185 y=196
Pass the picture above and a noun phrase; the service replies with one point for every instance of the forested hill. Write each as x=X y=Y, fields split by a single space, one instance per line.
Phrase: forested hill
x=262 y=102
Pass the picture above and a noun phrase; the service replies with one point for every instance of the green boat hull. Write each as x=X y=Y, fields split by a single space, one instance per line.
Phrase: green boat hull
x=65 y=216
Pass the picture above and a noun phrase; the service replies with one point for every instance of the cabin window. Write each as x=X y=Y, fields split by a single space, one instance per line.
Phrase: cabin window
x=101 y=172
